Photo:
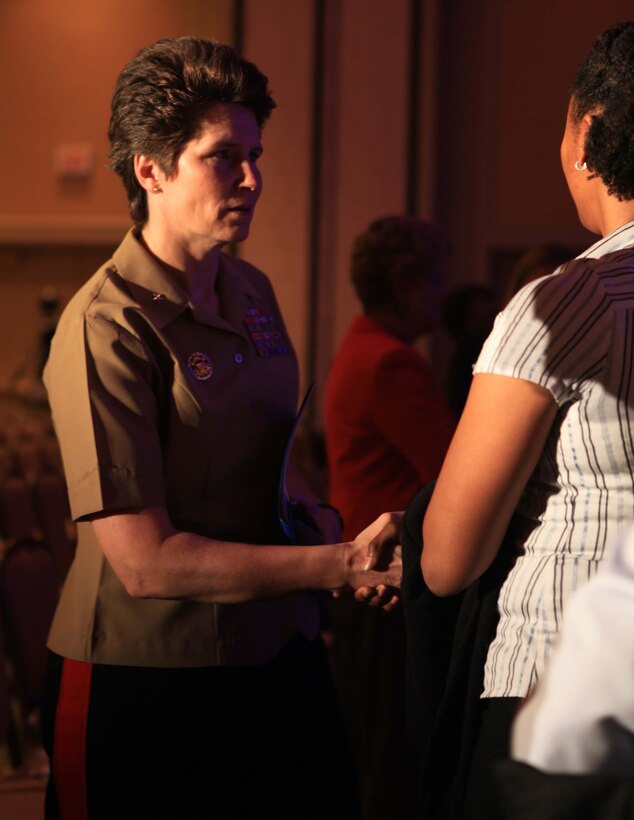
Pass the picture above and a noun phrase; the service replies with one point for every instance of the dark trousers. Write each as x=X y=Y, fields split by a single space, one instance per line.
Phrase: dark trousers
x=206 y=743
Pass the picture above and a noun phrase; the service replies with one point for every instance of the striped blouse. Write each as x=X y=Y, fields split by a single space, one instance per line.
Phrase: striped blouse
x=573 y=333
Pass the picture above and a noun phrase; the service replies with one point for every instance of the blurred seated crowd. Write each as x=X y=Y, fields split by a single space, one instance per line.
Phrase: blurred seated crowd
x=37 y=542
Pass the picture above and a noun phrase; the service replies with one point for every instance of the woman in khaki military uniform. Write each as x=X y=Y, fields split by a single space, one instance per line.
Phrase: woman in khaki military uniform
x=187 y=678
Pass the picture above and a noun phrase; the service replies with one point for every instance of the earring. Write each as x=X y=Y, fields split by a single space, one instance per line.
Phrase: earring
x=580 y=167
x=156 y=189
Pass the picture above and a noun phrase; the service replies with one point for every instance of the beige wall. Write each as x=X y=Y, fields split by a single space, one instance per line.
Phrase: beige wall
x=492 y=96
x=59 y=60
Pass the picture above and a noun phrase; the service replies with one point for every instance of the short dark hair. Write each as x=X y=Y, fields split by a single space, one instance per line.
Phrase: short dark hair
x=390 y=247
x=604 y=87
x=161 y=96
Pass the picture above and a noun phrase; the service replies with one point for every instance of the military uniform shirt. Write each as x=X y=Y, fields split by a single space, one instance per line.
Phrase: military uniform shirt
x=156 y=404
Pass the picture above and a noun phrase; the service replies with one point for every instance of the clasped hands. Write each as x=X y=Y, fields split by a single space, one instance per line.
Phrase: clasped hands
x=373 y=563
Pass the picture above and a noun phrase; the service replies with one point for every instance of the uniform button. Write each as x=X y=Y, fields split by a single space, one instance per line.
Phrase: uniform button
x=238 y=358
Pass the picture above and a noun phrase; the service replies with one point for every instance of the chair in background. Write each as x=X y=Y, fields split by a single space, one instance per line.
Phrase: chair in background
x=28 y=456
x=28 y=596
x=5 y=700
x=51 y=455
x=7 y=461
x=17 y=511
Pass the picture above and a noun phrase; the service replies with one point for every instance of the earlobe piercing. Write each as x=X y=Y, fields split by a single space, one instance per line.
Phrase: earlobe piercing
x=580 y=167
x=156 y=189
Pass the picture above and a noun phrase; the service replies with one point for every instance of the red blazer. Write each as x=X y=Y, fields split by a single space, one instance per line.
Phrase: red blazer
x=387 y=422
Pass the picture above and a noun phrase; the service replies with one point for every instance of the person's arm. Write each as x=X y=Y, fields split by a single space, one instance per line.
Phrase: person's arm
x=154 y=560
x=496 y=447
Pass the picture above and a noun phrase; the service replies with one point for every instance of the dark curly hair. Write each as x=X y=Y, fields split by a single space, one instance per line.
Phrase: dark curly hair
x=604 y=88
x=391 y=247
x=160 y=97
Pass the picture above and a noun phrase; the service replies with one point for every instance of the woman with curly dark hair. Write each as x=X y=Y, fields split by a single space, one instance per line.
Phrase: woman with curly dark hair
x=546 y=432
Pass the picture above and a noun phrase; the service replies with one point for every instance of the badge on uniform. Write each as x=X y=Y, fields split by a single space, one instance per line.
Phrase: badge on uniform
x=267 y=338
x=200 y=366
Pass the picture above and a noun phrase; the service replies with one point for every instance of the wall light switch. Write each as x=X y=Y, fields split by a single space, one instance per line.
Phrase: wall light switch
x=74 y=161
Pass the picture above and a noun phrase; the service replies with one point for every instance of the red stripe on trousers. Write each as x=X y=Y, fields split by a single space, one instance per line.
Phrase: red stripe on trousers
x=69 y=747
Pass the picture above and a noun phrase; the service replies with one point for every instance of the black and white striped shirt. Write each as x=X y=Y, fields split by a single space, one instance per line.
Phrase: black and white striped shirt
x=573 y=333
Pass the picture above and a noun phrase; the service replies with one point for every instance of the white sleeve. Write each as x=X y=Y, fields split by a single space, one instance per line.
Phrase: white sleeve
x=555 y=332
x=580 y=720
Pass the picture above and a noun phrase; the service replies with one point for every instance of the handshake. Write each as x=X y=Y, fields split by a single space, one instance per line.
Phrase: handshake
x=373 y=564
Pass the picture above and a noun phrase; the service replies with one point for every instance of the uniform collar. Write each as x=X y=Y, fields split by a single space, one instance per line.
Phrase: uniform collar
x=163 y=299
x=152 y=288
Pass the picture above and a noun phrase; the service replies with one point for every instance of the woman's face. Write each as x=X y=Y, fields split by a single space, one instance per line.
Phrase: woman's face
x=210 y=199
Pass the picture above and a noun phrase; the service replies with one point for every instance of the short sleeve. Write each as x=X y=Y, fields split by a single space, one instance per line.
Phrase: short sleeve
x=103 y=399
x=555 y=332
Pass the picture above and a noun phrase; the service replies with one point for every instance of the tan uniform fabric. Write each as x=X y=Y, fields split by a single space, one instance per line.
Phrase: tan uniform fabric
x=142 y=421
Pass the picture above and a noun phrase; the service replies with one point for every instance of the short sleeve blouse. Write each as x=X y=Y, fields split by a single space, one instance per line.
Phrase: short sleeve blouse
x=573 y=333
